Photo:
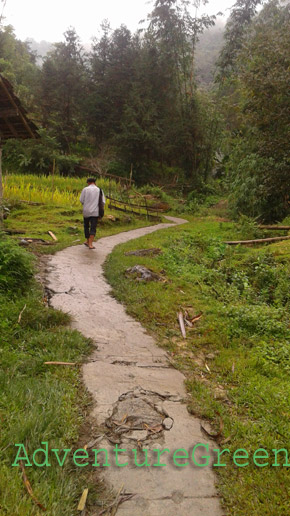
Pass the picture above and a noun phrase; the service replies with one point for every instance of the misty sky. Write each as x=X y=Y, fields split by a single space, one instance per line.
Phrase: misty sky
x=48 y=19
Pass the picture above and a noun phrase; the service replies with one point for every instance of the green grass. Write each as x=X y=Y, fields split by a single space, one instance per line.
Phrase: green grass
x=237 y=357
x=37 y=402
x=65 y=223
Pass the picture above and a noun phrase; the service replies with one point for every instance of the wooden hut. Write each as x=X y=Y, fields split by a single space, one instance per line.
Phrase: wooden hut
x=14 y=122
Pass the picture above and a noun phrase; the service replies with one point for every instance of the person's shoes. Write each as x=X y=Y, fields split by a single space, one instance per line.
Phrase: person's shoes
x=86 y=244
x=92 y=247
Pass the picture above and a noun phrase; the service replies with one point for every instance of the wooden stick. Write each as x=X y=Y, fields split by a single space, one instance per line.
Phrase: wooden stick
x=29 y=488
x=275 y=227
x=258 y=241
x=181 y=324
x=53 y=171
x=52 y=236
x=61 y=363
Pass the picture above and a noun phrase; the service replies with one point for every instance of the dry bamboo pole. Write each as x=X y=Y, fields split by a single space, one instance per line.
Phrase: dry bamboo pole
x=147 y=213
x=257 y=241
x=52 y=182
x=283 y=228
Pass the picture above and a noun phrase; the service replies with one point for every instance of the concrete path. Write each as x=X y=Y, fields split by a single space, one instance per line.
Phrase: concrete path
x=139 y=398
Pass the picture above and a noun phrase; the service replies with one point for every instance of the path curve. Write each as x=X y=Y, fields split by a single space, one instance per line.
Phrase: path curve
x=133 y=385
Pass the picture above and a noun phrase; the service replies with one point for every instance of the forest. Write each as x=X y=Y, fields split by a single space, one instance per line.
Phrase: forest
x=180 y=102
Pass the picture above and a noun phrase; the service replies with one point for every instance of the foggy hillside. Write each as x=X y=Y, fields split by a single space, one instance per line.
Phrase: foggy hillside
x=207 y=51
x=41 y=48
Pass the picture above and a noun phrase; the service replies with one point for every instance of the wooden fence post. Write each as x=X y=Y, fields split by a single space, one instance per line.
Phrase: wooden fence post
x=53 y=170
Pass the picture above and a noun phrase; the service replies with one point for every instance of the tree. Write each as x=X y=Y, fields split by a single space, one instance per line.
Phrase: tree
x=63 y=90
x=175 y=31
x=18 y=65
x=242 y=14
x=260 y=162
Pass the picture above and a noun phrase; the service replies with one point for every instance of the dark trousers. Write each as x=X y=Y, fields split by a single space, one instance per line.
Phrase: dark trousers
x=90 y=226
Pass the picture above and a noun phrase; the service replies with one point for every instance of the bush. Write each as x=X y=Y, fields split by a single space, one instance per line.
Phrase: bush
x=37 y=156
x=260 y=185
x=16 y=268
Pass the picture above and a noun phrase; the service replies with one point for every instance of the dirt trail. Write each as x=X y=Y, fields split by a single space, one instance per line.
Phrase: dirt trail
x=138 y=396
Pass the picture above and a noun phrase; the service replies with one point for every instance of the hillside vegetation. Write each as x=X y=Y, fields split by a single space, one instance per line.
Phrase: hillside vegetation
x=236 y=355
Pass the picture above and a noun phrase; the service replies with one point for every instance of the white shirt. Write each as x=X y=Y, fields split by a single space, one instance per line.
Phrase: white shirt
x=90 y=201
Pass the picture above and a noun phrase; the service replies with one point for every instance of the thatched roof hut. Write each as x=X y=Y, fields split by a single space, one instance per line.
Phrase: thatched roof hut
x=13 y=117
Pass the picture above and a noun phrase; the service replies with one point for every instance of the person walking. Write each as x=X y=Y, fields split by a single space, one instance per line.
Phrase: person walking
x=93 y=201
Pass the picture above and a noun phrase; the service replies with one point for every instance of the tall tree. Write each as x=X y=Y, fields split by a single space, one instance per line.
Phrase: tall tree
x=260 y=161
x=175 y=32
x=63 y=89
x=18 y=64
x=242 y=13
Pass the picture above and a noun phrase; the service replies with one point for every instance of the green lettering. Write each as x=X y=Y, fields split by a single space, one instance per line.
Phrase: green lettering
x=118 y=450
x=287 y=465
x=96 y=464
x=240 y=453
x=207 y=457
x=219 y=454
x=66 y=451
x=184 y=456
x=17 y=458
x=42 y=450
x=265 y=455
x=145 y=463
x=159 y=453
x=84 y=455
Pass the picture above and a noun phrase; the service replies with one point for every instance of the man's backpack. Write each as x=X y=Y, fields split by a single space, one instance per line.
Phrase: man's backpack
x=101 y=205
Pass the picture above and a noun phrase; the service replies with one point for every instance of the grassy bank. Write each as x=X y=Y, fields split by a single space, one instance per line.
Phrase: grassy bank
x=37 y=402
x=236 y=357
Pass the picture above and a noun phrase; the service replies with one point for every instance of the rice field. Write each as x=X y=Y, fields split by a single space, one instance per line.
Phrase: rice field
x=53 y=190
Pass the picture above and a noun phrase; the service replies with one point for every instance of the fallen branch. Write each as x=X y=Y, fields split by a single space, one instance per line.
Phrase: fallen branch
x=52 y=236
x=60 y=363
x=258 y=241
x=29 y=488
x=181 y=324
x=196 y=318
x=284 y=228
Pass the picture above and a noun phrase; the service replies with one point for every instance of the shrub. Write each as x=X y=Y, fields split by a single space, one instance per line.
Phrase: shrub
x=37 y=156
x=16 y=268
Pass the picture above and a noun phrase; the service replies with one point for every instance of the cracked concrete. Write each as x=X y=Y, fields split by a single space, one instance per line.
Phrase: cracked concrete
x=139 y=398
